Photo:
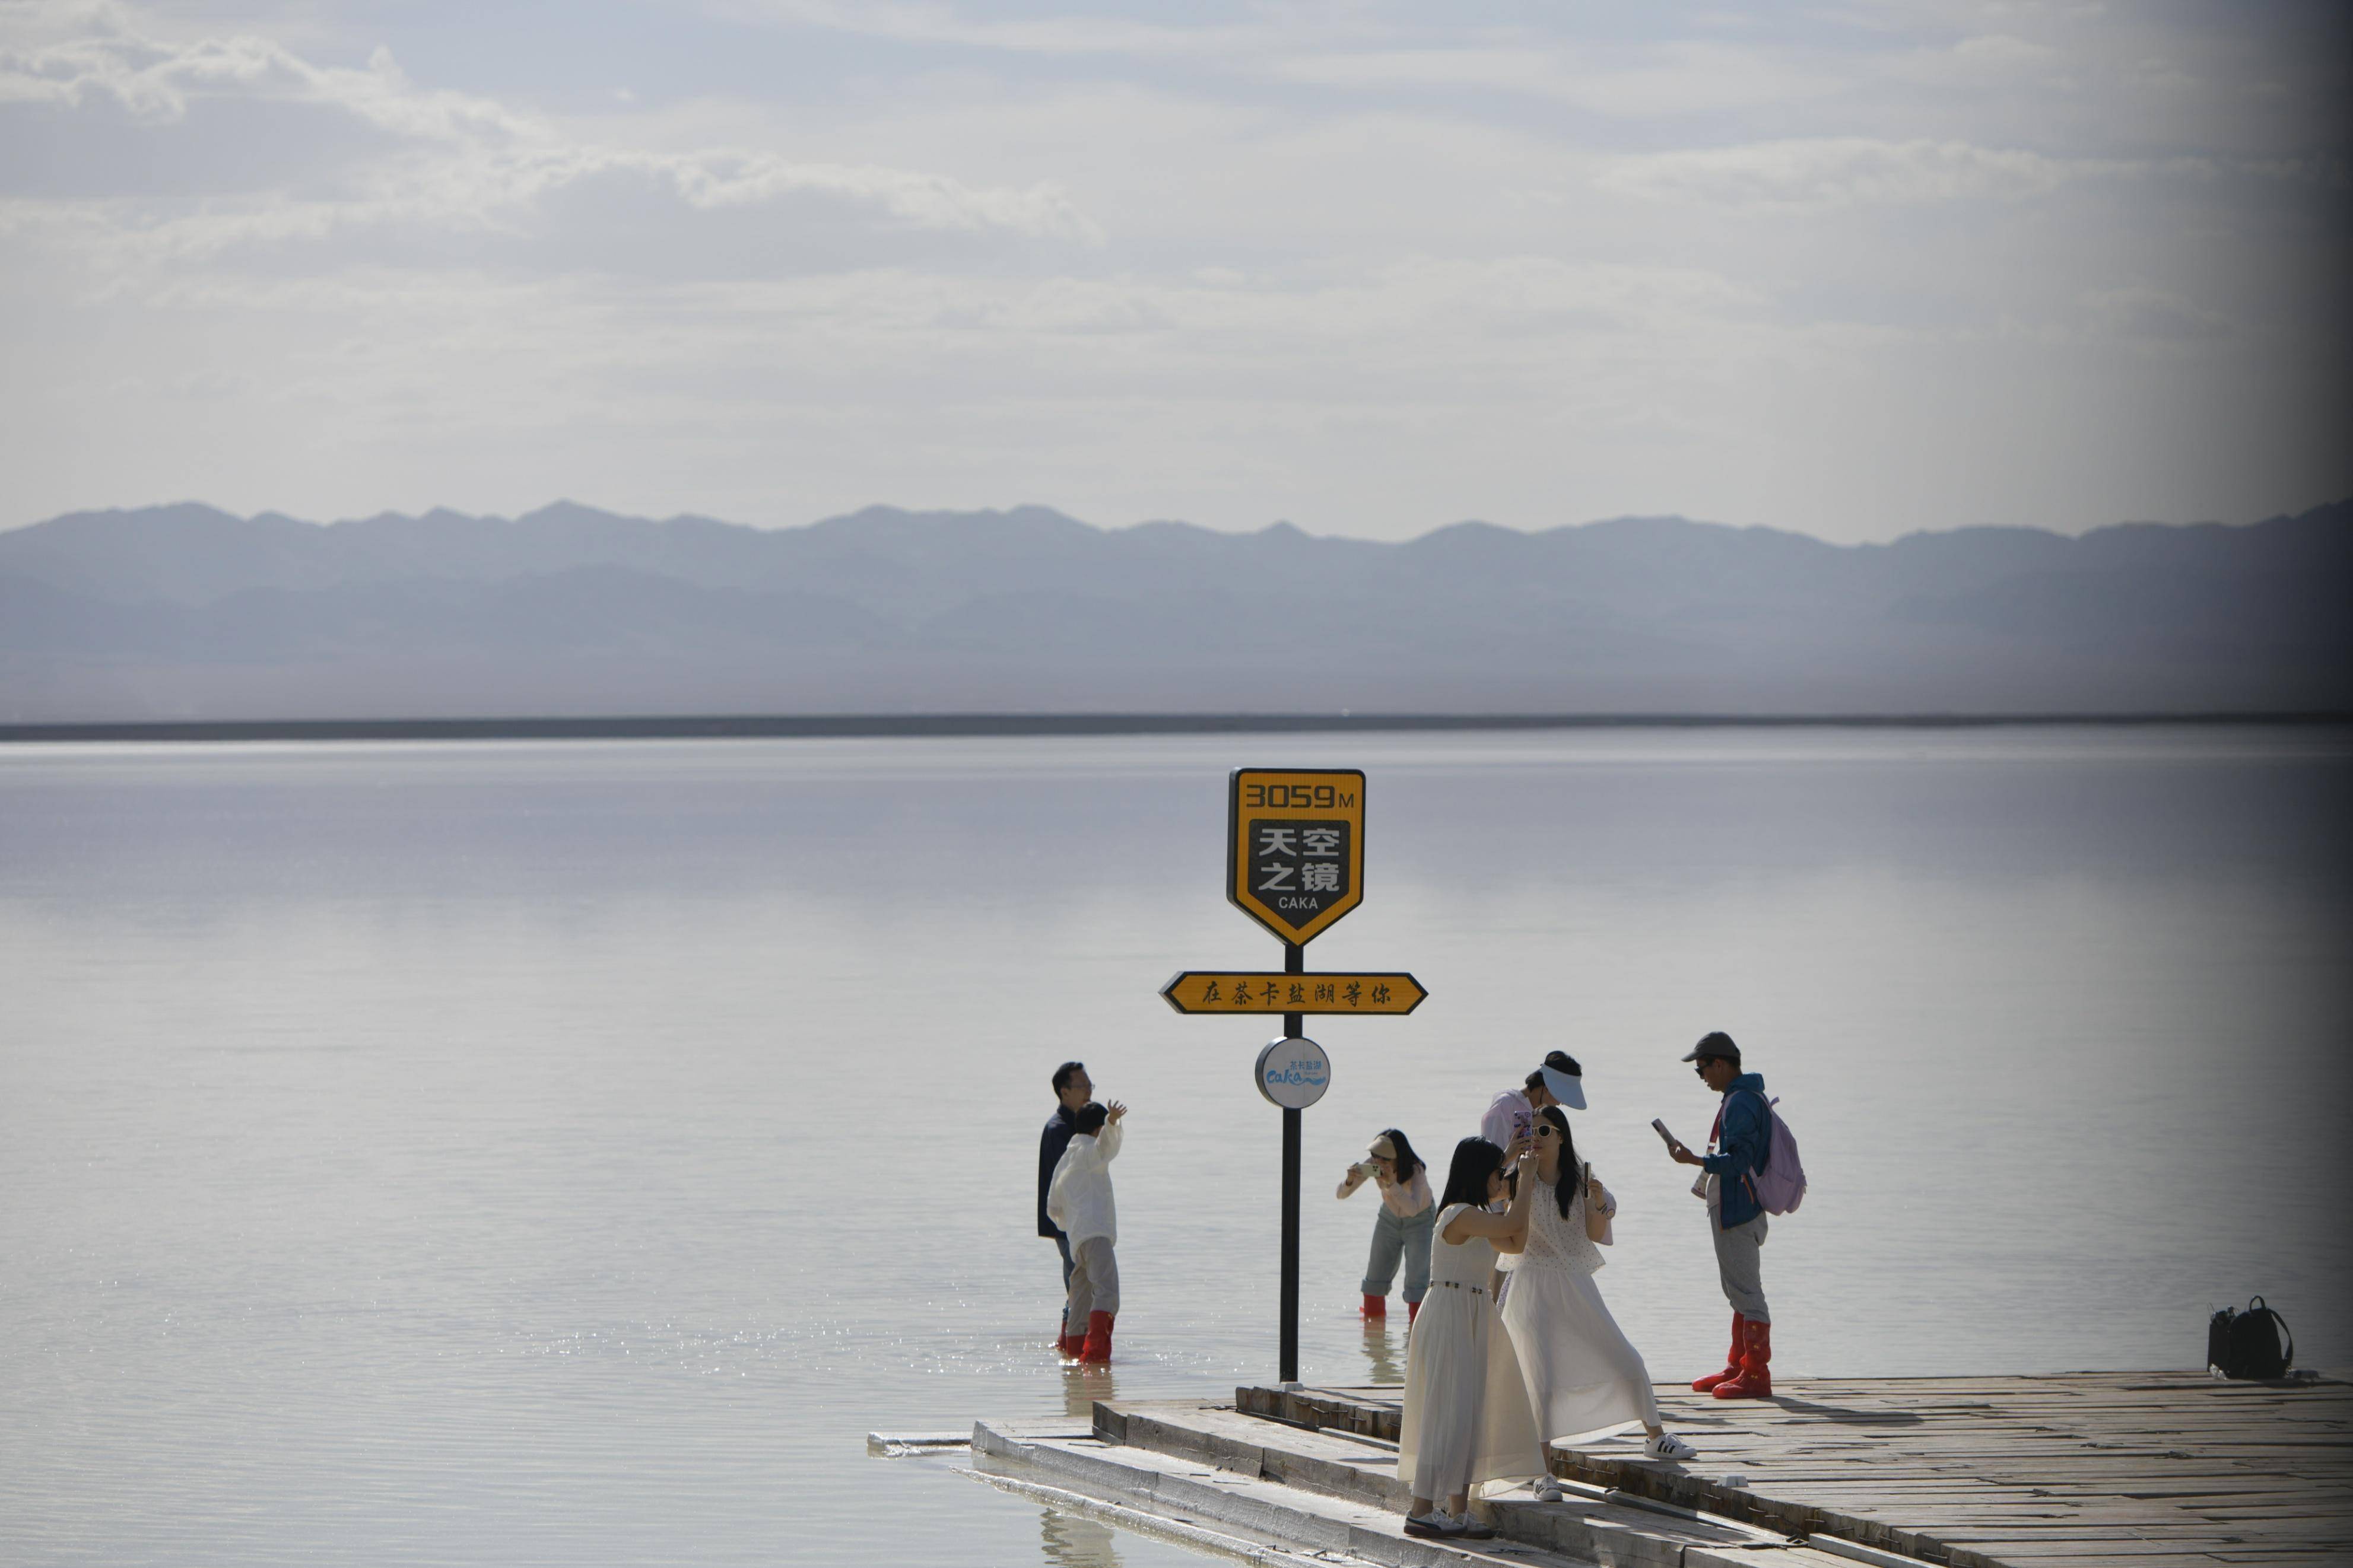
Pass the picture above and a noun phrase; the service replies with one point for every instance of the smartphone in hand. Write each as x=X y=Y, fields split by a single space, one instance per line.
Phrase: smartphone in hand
x=1659 y=1127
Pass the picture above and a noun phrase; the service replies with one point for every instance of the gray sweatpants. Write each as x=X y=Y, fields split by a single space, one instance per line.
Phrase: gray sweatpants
x=1736 y=1264
x=1095 y=1283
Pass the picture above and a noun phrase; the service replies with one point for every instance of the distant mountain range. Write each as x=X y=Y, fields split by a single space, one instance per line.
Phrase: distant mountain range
x=185 y=612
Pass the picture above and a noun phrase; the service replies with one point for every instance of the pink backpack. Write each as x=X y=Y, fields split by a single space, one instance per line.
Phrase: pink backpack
x=1781 y=1185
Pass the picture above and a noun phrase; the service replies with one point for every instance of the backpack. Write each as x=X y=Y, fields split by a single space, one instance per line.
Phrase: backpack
x=1779 y=1183
x=2254 y=1343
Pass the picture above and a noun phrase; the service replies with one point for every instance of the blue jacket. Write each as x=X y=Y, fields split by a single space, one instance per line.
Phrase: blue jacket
x=1050 y=1144
x=1745 y=1143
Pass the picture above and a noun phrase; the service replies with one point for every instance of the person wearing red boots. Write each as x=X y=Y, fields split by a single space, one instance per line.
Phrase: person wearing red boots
x=1072 y=1089
x=1401 y=1230
x=1079 y=1201
x=1737 y=1147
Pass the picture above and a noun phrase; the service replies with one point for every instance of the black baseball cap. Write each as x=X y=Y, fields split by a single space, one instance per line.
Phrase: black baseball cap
x=1714 y=1043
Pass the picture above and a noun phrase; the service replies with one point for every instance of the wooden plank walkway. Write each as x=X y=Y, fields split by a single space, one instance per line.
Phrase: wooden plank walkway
x=2075 y=1470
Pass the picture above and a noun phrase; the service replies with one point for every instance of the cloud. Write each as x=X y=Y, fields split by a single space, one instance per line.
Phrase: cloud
x=156 y=81
x=447 y=167
x=1845 y=171
x=2153 y=317
x=1344 y=259
x=1050 y=34
x=1638 y=81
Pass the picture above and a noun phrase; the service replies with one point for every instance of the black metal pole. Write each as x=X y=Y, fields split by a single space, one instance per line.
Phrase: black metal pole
x=1294 y=962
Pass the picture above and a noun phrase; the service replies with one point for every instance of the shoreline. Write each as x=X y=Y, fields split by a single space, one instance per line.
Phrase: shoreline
x=808 y=726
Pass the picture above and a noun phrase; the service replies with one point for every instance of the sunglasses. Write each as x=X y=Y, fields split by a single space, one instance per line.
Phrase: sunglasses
x=1546 y=1133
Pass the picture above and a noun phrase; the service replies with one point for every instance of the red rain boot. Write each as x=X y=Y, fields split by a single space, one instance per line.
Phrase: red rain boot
x=1731 y=1360
x=1071 y=1344
x=1755 y=1379
x=1412 y=1310
x=1098 y=1346
x=1377 y=1305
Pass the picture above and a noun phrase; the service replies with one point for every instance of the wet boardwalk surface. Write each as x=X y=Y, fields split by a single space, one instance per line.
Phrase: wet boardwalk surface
x=2074 y=1470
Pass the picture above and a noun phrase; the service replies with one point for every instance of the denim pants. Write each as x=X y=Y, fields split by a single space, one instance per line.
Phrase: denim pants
x=1394 y=1238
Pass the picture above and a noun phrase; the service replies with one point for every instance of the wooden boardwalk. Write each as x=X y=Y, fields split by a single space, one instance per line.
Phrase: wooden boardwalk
x=2076 y=1471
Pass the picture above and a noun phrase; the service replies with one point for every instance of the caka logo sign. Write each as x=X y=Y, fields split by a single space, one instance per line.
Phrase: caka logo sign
x=1295 y=850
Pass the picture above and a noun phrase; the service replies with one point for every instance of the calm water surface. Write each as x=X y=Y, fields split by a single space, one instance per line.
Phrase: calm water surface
x=567 y=1152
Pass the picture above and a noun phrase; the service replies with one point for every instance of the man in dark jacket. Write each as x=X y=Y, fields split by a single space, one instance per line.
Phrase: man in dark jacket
x=1072 y=1089
x=1738 y=1148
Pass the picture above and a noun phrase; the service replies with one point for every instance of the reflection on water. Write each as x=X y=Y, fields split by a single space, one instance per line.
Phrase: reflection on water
x=567 y=1154
x=1084 y=1383
x=1384 y=1352
x=1072 y=1540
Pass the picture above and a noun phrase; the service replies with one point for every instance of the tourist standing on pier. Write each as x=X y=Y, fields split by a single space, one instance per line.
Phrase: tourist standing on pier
x=1466 y=1406
x=1737 y=1147
x=1584 y=1378
x=1510 y=1121
x=1512 y=1118
x=1072 y=1089
x=1401 y=1229
x=1079 y=1201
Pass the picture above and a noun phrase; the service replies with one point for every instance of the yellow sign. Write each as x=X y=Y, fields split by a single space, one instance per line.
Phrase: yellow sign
x=1295 y=847
x=1206 y=991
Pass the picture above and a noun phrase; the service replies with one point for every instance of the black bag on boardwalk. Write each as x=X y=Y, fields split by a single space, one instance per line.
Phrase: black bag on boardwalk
x=2254 y=1343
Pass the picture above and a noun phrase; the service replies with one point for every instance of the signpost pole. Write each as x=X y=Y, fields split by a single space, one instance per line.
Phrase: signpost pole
x=1294 y=962
x=1294 y=863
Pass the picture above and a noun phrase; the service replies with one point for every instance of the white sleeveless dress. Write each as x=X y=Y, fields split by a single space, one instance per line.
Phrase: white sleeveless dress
x=1584 y=1379
x=1466 y=1405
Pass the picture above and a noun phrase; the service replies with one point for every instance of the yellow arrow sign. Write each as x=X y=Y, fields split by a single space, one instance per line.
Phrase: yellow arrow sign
x=1227 y=991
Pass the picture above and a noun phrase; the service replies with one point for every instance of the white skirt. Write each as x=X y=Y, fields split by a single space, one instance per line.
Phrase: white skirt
x=1584 y=1378
x=1466 y=1405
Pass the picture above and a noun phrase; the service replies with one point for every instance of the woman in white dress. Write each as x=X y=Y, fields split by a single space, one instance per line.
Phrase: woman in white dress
x=1466 y=1405
x=1584 y=1379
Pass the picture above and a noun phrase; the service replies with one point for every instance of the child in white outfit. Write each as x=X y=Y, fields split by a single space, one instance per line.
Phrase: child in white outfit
x=1080 y=1201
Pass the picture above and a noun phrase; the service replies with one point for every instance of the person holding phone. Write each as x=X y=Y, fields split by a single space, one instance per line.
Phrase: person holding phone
x=1402 y=1228
x=1466 y=1418
x=1738 y=1146
x=1511 y=1121
x=1584 y=1378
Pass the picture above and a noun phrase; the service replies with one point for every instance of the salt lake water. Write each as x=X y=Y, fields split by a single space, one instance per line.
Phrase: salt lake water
x=567 y=1153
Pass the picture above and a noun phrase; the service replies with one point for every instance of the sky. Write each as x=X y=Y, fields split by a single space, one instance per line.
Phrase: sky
x=1853 y=269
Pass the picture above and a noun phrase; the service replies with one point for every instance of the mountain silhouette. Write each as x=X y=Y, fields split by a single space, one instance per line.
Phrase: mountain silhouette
x=186 y=611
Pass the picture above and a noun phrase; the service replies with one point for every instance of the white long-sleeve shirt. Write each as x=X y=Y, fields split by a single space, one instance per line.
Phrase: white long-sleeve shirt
x=1079 y=1200
x=1510 y=1117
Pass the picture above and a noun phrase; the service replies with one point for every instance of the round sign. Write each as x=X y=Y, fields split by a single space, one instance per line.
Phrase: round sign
x=1293 y=1073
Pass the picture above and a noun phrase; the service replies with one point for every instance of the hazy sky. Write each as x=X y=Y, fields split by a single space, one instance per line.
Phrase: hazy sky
x=1850 y=269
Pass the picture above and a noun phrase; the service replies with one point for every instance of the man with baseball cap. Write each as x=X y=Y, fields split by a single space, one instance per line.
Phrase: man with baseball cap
x=1738 y=1146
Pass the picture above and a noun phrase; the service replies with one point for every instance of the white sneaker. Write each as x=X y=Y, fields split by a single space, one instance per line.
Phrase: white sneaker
x=1468 y=1528
x=1667 y=1446
x=1548 y=1490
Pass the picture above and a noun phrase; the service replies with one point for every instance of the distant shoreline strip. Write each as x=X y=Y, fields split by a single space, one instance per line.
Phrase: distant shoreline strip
x=762 y=726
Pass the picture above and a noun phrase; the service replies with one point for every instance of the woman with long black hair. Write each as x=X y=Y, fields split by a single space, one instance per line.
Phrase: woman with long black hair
x=1584 y=1378
x=1466 y=1406
x=1402 y=1227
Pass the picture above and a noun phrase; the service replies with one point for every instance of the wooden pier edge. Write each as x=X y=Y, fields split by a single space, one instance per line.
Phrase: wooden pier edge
x=1983 y=1472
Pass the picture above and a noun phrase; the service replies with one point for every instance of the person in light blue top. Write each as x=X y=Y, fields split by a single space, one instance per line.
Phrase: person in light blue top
x=1737 y=1147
